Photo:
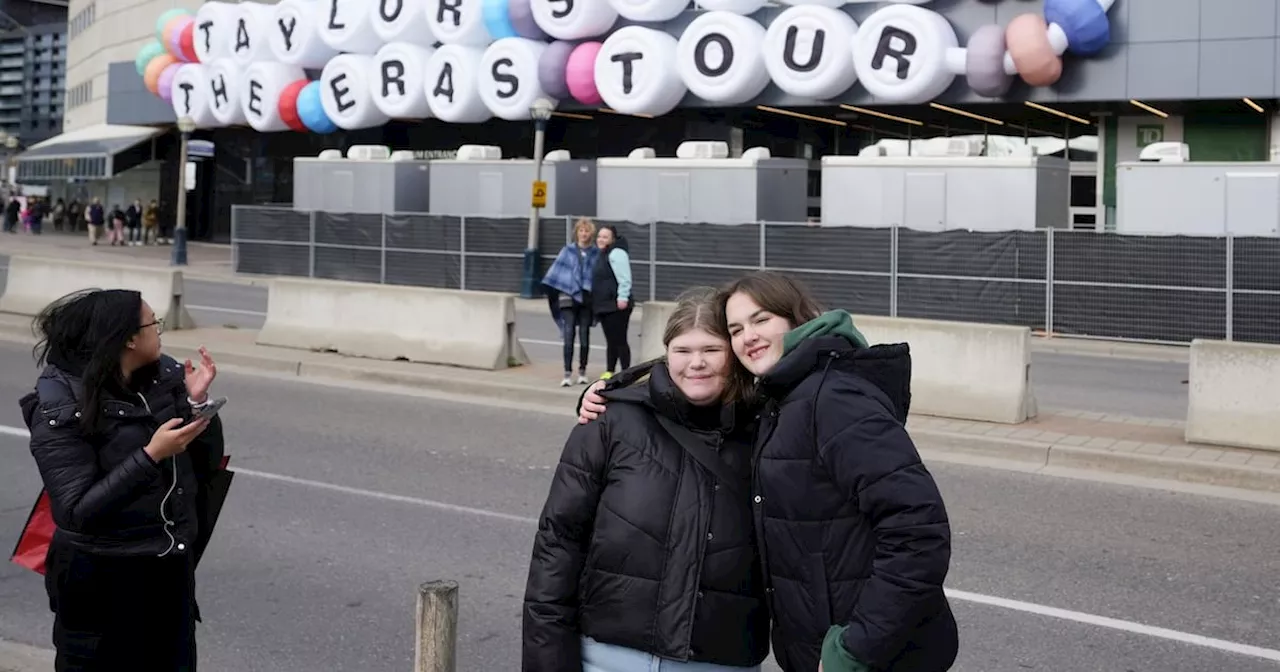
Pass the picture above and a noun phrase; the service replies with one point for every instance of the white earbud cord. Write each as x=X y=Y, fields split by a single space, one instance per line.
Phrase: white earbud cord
x=172 y=486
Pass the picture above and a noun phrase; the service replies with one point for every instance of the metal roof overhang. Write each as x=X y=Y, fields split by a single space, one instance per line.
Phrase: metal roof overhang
x=94 y=153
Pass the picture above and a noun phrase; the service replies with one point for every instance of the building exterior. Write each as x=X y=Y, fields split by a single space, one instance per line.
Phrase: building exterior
x=33 y=49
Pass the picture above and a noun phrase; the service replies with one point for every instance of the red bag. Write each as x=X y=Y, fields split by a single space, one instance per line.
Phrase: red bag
x=33 y=543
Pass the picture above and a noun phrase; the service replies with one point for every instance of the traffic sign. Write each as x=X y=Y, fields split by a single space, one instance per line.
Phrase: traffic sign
x=539 y=194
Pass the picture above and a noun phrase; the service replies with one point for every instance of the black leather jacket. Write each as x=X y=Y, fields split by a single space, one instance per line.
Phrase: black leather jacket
x=108 y=497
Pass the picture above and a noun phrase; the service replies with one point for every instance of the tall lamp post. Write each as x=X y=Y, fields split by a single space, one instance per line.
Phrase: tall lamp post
x=11 y=145
x=185 y=126
x=541 y=112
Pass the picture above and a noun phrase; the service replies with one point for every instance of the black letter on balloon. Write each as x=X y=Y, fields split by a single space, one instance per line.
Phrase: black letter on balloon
x=815 y=52
x=333 y=16
x=392 y=16
x=219 y=88
x=255 y=100
x=206 y=28
x=625 y=60
x=339 y=92
x=242 y=36
x=505 y=78
x=452 y=8
x=700 y=55
x=287 y=31
x=561 y=13
x=885 y=49
x=392 y=73
x=444 y=83
x=186 y=95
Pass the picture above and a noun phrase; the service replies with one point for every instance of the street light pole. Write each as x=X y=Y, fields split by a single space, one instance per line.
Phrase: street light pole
x=541 y=113
x=185 y=126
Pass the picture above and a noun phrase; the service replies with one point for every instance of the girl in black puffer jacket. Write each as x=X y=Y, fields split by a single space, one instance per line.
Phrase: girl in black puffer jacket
x=125 y=465
x=645 y=549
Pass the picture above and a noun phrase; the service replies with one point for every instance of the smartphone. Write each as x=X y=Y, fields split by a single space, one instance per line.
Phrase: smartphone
x=211 y=409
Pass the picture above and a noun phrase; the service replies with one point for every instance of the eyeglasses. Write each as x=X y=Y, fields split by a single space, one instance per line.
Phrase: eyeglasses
x=158 y=324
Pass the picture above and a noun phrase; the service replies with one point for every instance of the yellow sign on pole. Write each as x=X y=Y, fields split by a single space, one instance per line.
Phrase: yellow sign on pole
x=539 y=194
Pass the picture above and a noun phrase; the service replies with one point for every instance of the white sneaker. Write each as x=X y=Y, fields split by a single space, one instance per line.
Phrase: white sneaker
x=566 y=382
x=582 y=379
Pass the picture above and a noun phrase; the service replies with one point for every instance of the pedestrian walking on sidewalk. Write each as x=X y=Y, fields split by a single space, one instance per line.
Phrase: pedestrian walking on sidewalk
x=126 y=459
x=96 y=217
x=133 y=223
x=117 y=220
x=150 y=223
x=570 y=279
x=645 y=554
x=12 y=213
x=611 y=296
x=853 y=533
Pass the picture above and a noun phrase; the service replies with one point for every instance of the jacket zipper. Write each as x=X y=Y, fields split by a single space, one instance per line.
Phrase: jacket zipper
x=703 y=544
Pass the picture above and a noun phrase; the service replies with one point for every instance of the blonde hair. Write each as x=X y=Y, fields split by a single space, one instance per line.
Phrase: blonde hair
x=583 y=223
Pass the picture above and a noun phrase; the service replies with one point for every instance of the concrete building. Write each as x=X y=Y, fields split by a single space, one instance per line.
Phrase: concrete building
x=33 y=50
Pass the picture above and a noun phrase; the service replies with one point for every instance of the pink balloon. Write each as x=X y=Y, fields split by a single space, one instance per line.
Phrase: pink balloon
x=579 y=73
x=165 y=85
x=173 y=36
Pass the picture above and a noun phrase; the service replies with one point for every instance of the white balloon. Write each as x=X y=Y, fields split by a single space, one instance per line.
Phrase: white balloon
x=224 y=91
x=190 y=98
x=345 y=93
x=637 y=71
x=214 y=23
x=574 y=19
x=458 y=22
x=743 y=7
x=452 y=85
x=247 y=39
x=901 y=54
x=650 y=11
x=722 y=58
x=509 y=77
x=399 y=69
x=347 y=25
x=262 y=85
x=294 y=36
x=401 y=21
x=806 y=50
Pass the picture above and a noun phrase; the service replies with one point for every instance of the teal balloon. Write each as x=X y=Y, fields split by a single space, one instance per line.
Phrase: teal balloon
x=166 y=17
x=148 y=51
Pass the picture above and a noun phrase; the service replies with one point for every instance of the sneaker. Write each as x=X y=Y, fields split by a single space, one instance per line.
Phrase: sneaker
x=582 y=379
x=566 y=382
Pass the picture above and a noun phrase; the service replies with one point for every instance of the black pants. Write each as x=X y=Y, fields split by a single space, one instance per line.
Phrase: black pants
x=617 y=350
x=114 y=614
x=576 y=320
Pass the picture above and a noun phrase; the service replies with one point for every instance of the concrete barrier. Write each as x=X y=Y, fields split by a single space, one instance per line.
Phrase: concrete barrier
x=1232 y=400
x=653 y=321
x=433 y=326
x=33 y=283
x=962 y=370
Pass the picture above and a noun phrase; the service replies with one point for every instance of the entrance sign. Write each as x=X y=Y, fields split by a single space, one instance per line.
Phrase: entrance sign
x=637 y=72
x=377 y=58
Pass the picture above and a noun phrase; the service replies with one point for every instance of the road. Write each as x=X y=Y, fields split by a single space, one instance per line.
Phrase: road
x=1147 y=389
x=348 y=498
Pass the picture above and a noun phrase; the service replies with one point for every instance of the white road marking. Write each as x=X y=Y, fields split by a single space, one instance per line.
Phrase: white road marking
x=962 y=595
x=534 y=341
x=232 y=311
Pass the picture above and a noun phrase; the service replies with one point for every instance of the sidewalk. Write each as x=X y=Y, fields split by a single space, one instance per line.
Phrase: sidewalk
x=1055 y=441
x=16 y=657
x=205 y=261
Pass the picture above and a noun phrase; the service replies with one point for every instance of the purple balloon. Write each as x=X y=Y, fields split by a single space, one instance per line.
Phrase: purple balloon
x=164 y=85
x=521 y=14
x=175 y=41
x=551 y=69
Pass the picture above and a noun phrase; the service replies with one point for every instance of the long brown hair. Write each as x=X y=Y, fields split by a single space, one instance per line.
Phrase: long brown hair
x=698 y=308
x=779 y=294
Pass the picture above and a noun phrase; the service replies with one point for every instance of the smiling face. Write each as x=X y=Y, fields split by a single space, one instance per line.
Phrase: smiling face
x=756 y=333
x=698 y=362
x=585 y=233
x=604 y=239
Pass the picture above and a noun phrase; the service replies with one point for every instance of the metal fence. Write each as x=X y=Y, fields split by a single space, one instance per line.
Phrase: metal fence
x=1104 y=285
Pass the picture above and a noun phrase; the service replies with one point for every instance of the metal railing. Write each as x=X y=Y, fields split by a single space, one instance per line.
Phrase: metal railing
x=1155 y=288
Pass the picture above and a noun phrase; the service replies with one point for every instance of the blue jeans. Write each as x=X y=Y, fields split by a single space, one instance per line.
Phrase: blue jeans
x=598 y=657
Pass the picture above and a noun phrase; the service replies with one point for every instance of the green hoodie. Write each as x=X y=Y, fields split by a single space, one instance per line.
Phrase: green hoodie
x=834 y=656
x=830 y=323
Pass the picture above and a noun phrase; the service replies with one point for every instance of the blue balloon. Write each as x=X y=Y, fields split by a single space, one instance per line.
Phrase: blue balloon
x=497 y=19
x=311 y=112
x=1086 y=26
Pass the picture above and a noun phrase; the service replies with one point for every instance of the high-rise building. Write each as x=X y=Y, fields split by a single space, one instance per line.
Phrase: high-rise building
x=33 y=54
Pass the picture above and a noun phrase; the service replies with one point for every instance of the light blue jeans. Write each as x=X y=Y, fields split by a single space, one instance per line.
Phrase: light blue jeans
x=598 y=657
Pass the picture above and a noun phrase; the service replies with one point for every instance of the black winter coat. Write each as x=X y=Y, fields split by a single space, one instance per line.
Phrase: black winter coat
x=107 y=495
x=853 y=528
x=640 y=546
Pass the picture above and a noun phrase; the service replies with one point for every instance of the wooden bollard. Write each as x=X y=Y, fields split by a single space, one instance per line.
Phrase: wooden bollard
x=437 y=645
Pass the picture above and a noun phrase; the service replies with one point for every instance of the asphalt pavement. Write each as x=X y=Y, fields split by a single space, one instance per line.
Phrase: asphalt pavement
x=349 y=497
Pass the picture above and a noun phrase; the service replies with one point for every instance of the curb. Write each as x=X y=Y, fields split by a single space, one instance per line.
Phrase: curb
x=1030 y=455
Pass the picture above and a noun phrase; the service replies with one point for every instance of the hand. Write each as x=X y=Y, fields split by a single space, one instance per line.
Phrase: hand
x=819 y=666
x=172 y=440
x=622 y=304
x=199 y=379
x=592 y=403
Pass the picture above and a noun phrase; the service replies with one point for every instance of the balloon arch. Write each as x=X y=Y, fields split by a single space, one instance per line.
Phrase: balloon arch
x=321 y=65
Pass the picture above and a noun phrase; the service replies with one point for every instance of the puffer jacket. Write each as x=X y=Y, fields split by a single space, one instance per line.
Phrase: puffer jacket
x=853 y=529
x=641 y=546
x=107 y=495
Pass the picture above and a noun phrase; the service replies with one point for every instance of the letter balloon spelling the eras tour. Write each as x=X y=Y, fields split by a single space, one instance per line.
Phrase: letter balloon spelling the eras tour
x=467 y=61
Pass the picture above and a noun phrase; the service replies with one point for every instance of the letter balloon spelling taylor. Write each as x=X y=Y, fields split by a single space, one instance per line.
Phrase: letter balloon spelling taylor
x=467 y=61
